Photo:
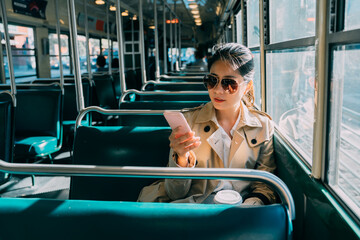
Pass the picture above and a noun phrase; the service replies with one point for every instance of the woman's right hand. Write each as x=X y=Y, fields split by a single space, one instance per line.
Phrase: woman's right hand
x=182 y=144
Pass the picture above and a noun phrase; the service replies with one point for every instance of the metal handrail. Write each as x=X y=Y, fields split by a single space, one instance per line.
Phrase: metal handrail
x=180 y=77
x=4 y=19
x=167 y=83
x=192 y=72
x=155 y=172
x=122 y=99
x=38 y=84
x=114 y=112
x=11 y=95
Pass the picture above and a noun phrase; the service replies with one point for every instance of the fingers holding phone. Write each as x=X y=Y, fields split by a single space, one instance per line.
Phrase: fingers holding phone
x=182 y=139
x=182 y=144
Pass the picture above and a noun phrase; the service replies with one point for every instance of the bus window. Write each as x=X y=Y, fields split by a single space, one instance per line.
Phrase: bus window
x=290 y=90
x=94 y=47
x=291 y=20
x=54 y=54
x=253 y=32
x=23 y=52
x=344 y=127
x=239 y=37
x=352 y=11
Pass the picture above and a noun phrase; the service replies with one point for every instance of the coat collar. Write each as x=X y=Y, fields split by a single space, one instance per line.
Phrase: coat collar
x=207 y=113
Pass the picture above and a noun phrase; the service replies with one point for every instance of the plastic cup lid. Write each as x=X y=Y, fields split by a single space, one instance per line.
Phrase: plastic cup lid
x=228 y=197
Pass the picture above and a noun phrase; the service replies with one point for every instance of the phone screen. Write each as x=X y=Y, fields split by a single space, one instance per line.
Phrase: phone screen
x=176 y=119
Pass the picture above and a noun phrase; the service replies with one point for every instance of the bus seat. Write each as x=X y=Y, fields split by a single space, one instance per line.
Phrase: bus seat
x=105 y=92
x=6 y=130
x=104 y=96
x=70 y=109
x=78 y=219
x=117 y=146
x=70 y=106
x=117 y=87
x=131 y=81
x=38 y=121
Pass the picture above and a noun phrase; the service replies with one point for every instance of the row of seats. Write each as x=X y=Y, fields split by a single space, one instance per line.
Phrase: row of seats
x=45 y=116
x=110 y=215
x=143 y=141
x=148 y=146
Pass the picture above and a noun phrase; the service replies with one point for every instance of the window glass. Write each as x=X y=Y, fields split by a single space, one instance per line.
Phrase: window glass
x=20 y=52
x=53 y=43
x=253 y=32
x=23 y=66
x=344 y=141
x=239 y=38
x=20 y=37
x=81 y=42
x=290 y=95
x=94 y=50
x=136 y=48
x=128 y=48
x=136 y=35
x=104 y=46
x=94 y=45
x=115 y=50
x=22 y=49
x=128 y=36
x=352 y=13
x=55 y=67
x=228 y=33
x=54 y=54
x=82 y=54
x=291 y=19
x=257 y=80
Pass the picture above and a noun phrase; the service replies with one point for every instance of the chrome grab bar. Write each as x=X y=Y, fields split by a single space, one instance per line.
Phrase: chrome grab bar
x=114 y=112
x=162 y=93
x=155 y=172
x=168 y=83
x=181 y=77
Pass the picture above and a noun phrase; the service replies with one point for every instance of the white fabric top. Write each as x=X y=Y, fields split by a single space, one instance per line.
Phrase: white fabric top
x=225 y=143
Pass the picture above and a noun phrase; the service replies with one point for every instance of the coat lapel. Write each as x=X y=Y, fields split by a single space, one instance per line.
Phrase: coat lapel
x=248 y=125
x=216 y=144
x=238 y=138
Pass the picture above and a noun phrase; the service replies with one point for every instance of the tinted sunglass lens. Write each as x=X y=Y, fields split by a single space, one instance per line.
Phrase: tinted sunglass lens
x=210 y=81
x=229 y=85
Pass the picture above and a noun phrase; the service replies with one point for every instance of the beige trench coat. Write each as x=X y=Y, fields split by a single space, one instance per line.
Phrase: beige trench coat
x=251 y=147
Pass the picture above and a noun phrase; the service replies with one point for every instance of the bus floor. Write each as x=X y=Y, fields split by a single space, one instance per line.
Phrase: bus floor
x=26 y=186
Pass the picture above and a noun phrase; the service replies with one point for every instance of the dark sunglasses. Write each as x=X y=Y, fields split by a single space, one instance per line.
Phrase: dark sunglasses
x=229 y=85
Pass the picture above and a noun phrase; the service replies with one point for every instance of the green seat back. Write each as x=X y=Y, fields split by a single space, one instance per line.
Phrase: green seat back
x=117 y=146
x=74 y=219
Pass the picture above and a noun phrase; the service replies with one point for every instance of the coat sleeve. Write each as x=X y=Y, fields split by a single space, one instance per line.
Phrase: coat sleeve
x=265 y=162
x=177 y=188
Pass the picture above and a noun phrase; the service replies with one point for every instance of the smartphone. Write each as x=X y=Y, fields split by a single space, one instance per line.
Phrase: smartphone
x=176 y=119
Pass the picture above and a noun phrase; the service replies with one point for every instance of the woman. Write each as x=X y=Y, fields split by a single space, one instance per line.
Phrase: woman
x=231 y=134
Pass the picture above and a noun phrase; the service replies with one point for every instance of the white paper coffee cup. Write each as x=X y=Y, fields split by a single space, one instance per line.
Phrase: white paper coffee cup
x=228 y=197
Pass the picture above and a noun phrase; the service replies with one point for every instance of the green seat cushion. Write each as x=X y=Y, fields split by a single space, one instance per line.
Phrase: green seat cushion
x=74 y=219
x=36 y=146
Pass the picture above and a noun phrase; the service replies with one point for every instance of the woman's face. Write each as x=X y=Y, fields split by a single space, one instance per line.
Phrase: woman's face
x=221 y=99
